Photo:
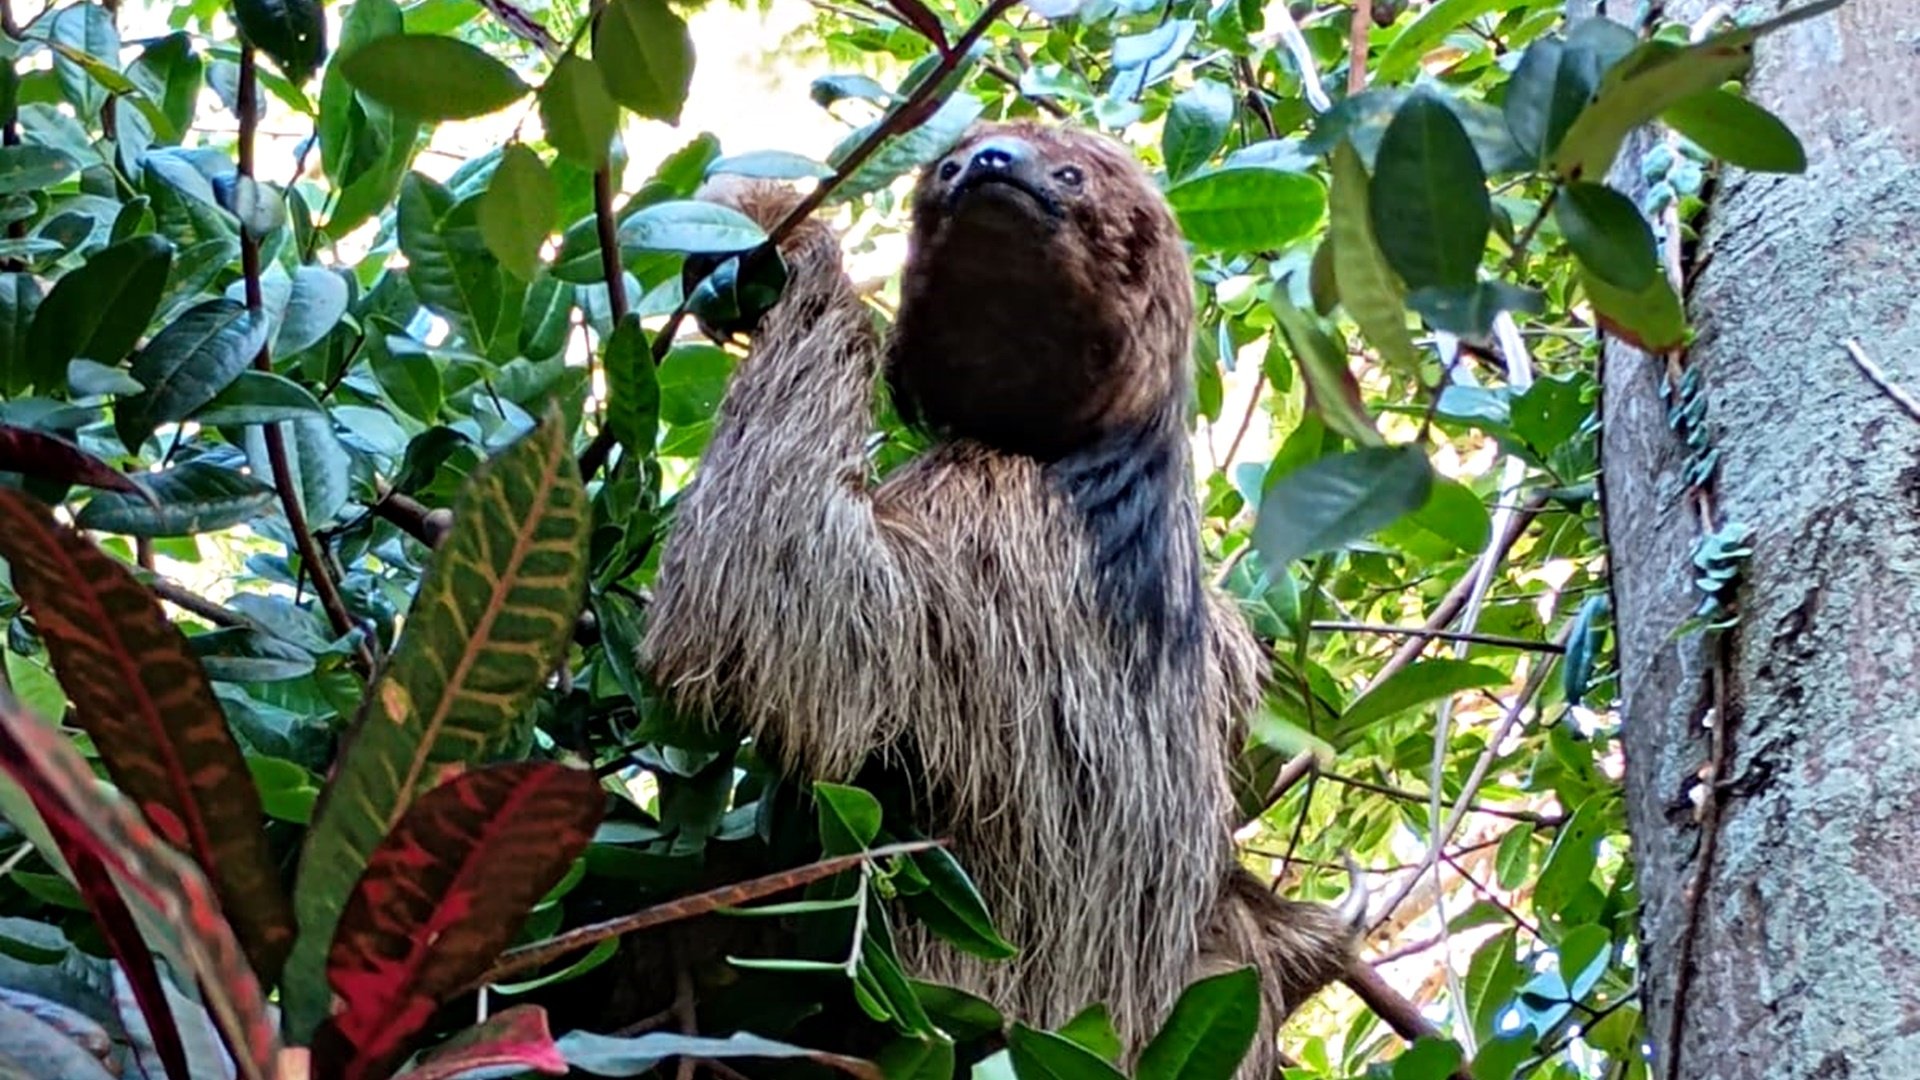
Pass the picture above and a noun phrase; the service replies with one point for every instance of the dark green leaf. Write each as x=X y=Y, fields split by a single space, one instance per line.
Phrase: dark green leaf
x=1042 y=1055
x=578 y=113
x=1650 y=320
x=905 y=152
x=633 y=388
x=1576 y=668
x=431 y=77
x=192 y=498
x=451 y=270
x=692 y=378
x=1335 y=500
x=293 y=32
x=645 y=55
x=849 y=818
x=1196 y=127
x=1608 y=234
x=1429 y=1058
x=1514 y=860
x=33 y=168
x=99 y=310
x=952 y=907
x=1248 y=208
x=958 y=1013
x=83 y=36
x=1332 y=390
x=1570 y=862
x=1367 y=286
x=187 y=364
x=1469 y=310
x=317 y=460
x=258 y=397
x=518 y=210
x=316 y=301
x=1431 y=213
x=1737 y=131
x=1208 y=1033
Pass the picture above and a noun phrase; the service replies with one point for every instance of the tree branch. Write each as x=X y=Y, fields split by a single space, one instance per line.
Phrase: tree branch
x=284 y=482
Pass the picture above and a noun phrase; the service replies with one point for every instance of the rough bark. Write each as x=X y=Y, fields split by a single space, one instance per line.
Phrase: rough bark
x=1809 y=923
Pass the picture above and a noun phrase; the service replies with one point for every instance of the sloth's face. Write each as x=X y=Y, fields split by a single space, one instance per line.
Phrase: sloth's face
x=1046 y=298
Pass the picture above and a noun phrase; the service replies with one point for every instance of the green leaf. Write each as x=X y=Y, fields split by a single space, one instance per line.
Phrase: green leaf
x=633 y=388
x=84 y=35
x=293 y=32
x=1092 y=1027
x=1469 y=310
x=692 y=226
x=1196 y=128
x=1335 y=500
x=904 y=152
x=1514 y=860
x=1332 y=391
x=258 y=397
x=771 y=165
x=1569 y=864
x=849 y=818
x=1429 y=1058
x=1652 y=79
x=492 y=616
x=1492 y=977
x=1584 y=952
x=1208 y=1033
x=1247 y=208
x=1576 y=667
x=431 y=77
x=953 y=908
x=1432 y=27
x=19 y=302
x=192 y=498
x=518 y=210
x=319 y=464
x=1737 y=131
x=33 y=168
x=1431 y=213
x=316 y=302
x=960 y=1014
x=187 y=364
x=1650 y=320
x=1042 y=1055
x=1368 y=288
x=1420 y=683
x=1556 y=79
x=1607 y=233
x=99 y=310
x=645 y=54
x=692 y=380
x=452 y=271
x=578 y=113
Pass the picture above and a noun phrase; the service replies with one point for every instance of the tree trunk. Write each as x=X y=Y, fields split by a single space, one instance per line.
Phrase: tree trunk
x=1806 y=943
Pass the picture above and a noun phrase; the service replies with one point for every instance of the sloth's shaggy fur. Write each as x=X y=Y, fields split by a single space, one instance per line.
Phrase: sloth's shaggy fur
x=1017 y=618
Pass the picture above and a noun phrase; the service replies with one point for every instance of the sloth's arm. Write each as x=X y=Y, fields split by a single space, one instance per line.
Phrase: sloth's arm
x=781 y=596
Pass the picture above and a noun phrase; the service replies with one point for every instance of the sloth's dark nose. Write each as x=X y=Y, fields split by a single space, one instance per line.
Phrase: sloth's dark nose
x=997 y=156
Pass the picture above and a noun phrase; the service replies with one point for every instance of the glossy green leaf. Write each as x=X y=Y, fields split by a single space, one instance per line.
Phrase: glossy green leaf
x=1336 y=500
x=450 y=268
x=1737 y=131
x=1469 y=310
x=1197 y=125
x=849 y=818
x=292 y=32
x=258 y=397
x=316 y=302
x=771 y=165
x=1368 y=288
x=1650 y=320
x=633 y=388
x=689 y=225
x=905 y=152
x=1569 y=864
x=1513 y=862
x=1583 y=640
x=431 y=77
x=1608 y=235
x=1042 y=1055
x=518 y=211
x=577 y=112
x=1428 y=199
x=192 y=498
x=1429 y=30
x=1247 y=208
x=187 y=364
x=33 y=168
x=84 y=34
x=99 y=310
x=1209 y=1031
x=953 y=908
x=317 y=460
x=490 y=620
x=645 y=54
x=1332 y=390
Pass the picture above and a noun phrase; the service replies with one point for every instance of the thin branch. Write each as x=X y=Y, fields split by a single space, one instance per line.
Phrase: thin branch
x=531 y=956
x=1246 y=418
x=1545 y=821
x=1497 y=640
x=608 y=230
x=312 y=558
x=1879 y=378
x=1390 y=1006
x=1492 y=897
x=1357 y=45
x=186 y=600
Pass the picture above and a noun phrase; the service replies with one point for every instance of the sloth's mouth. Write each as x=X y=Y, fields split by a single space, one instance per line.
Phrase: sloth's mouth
x=1004 y=189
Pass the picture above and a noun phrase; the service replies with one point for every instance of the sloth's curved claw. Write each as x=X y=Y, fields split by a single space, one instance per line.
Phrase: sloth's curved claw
x=1353 y=910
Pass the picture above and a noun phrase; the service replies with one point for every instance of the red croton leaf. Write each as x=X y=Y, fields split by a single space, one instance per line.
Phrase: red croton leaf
x=140 y=692
x=518 y=1036
x=41 y=456
x=444 y=892
x=97 y=828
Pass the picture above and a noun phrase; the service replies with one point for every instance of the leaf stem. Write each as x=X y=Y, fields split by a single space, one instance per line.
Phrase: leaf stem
x=283 y=479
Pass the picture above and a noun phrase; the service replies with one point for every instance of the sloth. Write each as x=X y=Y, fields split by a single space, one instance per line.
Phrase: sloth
x=1017 y=617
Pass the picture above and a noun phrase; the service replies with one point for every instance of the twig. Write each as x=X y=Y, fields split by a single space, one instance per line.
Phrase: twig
x=683 y=1007
x=528 y=957
x=1388 y=1004
x=1525 y=240
x=1491 y=897
x=1498 y=640
x=179 y=596
x=608 y=230
x=1879 y=378
x=1246 y=418
x=1257 y=101
x=1358 y=45
x=1547 y=821
x=284 y=482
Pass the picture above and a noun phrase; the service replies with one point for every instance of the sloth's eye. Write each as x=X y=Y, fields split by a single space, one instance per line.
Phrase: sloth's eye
x=1069 y=175
x=949 y=170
